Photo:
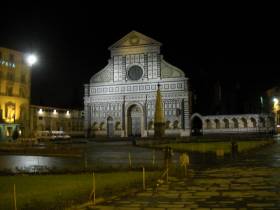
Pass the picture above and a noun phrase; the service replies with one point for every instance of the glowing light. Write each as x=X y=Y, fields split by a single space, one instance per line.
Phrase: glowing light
x=55 y=112
x=67 y=114
x=40 y=111
x=31 y=59
x=276 y=101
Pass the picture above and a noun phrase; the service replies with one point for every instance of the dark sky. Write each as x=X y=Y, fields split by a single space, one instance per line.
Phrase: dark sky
x=237 y=48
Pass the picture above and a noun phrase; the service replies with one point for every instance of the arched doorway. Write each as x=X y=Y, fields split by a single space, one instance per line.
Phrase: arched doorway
x=196 y=125
x=134 y=120
x=110 y=127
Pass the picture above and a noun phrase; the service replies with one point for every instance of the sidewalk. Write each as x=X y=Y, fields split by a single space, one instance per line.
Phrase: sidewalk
x=232 y=188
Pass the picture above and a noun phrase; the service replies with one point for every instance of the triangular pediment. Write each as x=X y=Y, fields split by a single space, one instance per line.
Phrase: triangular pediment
x=135 y=38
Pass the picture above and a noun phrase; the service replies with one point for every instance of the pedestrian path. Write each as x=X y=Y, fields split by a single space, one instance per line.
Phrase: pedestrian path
x=250 y=183
x=232 y=188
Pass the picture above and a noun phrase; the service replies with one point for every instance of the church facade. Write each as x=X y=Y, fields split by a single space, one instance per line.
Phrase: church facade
x=120 y=98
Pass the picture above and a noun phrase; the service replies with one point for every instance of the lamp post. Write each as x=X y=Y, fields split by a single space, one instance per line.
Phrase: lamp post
x=30 y=60
x=276 y=108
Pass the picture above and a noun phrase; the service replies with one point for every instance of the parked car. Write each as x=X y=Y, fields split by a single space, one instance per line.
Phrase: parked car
x=60 y=135
x=52 y=135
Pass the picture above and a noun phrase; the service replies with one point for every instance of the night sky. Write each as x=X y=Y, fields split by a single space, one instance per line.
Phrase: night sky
x=239 y=49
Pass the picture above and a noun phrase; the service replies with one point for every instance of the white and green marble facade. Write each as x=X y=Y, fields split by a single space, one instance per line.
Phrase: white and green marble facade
x=130 y=80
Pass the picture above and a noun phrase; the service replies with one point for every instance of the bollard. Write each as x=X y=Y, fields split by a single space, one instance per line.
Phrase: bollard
x=93 y=187
x=184 y=162
x=144 y=181
x=167 y=175
x=85 y=159
x=92 y=194
x=220 y=153
x=129 y=159
x=154 y=158
x=15 y=198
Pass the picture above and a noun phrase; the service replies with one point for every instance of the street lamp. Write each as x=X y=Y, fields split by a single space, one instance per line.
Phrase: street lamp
x=276 y=108
x=276 y=101
x=31 y=59
x=275 y=104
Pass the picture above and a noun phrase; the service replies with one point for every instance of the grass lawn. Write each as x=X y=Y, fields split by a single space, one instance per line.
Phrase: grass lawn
x=243 y=146
x=59 y=191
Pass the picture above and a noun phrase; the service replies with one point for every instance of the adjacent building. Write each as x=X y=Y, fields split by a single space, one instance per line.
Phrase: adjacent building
x=16 y=113
x=44 y=118
x=14 y=93
x=232 y=124
x=120 y=99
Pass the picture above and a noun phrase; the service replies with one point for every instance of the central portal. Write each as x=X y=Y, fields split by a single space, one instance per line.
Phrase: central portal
x=134 y=121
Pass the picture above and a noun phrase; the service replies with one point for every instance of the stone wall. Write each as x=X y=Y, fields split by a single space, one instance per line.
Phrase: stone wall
x=242 y=123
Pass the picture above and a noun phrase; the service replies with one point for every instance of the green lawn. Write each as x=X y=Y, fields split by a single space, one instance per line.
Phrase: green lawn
x=243 y=146
x=59 y=191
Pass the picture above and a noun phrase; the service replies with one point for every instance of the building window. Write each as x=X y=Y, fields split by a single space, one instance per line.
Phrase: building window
x=11 y=61
x=11 y=58
x=11 y=76
x=22 y=92
x=10 y=91
x=23 y=79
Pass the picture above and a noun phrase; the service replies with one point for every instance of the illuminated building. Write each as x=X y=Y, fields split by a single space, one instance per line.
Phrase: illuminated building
x=120 y=99
x=16 y=113
x=56 y=119
x=14 y=93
